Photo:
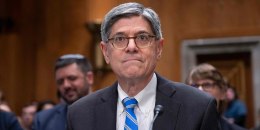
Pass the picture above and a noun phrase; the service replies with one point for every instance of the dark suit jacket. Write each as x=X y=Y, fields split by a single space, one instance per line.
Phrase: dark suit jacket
x=52 y=119
x=225 y=125
x=8 y=121
x=185 y=108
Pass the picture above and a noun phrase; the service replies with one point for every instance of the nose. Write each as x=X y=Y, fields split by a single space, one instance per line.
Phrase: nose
x=66 y=84
x=200 y=88
x=131 y=44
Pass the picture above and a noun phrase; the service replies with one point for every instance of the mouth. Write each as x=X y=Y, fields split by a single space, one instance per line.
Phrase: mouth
x=70 y=93
x=132 y=59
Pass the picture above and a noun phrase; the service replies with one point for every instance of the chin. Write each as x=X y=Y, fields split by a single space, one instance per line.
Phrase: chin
x=71 y=100
x=133 y=75
x=133 y=72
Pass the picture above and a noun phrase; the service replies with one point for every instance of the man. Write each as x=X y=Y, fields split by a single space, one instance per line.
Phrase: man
x=27 y=116
x=132 y=44
x=74 y=77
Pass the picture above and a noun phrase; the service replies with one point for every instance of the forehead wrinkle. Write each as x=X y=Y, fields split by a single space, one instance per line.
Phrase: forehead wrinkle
x=123 y=25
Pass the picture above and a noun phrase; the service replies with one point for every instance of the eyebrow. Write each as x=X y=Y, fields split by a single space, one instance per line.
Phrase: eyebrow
x=137 y=33
x=119 y=33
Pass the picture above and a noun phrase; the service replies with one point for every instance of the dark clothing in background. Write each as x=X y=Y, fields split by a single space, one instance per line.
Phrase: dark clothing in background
x=237 y=110
x=8 y=121
x=225 y=125
x=52 y=119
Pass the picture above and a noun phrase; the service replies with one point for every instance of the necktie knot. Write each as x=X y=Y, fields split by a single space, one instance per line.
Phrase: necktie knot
x=129 y=102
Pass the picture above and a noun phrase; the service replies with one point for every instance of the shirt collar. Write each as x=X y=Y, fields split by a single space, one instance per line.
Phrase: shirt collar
x=145 y=98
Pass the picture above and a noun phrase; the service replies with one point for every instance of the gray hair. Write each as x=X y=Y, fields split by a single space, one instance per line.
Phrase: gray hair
x=128 y=10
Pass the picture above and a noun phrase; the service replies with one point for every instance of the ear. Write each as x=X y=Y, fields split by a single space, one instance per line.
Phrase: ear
x=159 y=48
x=90 y=78
x=104 y=49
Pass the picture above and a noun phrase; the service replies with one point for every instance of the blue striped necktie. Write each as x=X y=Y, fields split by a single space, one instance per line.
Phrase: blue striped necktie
x=130 y=120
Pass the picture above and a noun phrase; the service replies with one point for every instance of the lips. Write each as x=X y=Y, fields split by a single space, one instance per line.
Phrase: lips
x=70 y=93
x=132 y=59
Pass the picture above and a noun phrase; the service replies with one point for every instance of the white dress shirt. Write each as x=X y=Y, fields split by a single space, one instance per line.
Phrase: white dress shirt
x=145 y=108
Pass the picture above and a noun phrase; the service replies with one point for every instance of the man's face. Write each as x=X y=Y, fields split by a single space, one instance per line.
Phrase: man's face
x=73 y=83
x=210 y=87
x=27 y=115
x=132 y=62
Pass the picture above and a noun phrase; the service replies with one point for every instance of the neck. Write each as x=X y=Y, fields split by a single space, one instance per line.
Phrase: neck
x=133 y=86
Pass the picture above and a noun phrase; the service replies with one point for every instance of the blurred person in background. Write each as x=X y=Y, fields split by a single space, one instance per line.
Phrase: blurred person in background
x=3 y=104
x=8 y=121
x=207 y=78
x=5 y=107
x=74 y=77
x=236 y=111
x=27 y=116
x=45 y=105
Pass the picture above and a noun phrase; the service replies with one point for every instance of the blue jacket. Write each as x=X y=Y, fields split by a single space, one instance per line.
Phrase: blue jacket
x=8 y=121
x=237 y=110
x=52 y=119
x=225 y=125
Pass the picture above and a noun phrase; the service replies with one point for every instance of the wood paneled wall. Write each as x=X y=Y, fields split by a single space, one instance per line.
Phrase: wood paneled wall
x=46 y=29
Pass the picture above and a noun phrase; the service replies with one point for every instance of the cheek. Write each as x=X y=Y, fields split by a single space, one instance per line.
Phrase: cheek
x=61 y=89
x=154 y=58
x=218 y=94
x=211 y=92
x=114 y=58
x=80 y=84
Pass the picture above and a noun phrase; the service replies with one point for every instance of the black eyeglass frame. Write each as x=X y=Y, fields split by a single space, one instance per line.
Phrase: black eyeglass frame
x=204 y=85
x=149 y=41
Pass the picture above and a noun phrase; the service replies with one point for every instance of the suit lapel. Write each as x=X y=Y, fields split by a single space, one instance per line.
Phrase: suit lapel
x=106 y=110
x=167 y=119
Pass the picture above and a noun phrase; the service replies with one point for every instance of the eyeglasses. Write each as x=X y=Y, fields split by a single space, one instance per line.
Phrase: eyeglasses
x=204 y=85
x=141 y=41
